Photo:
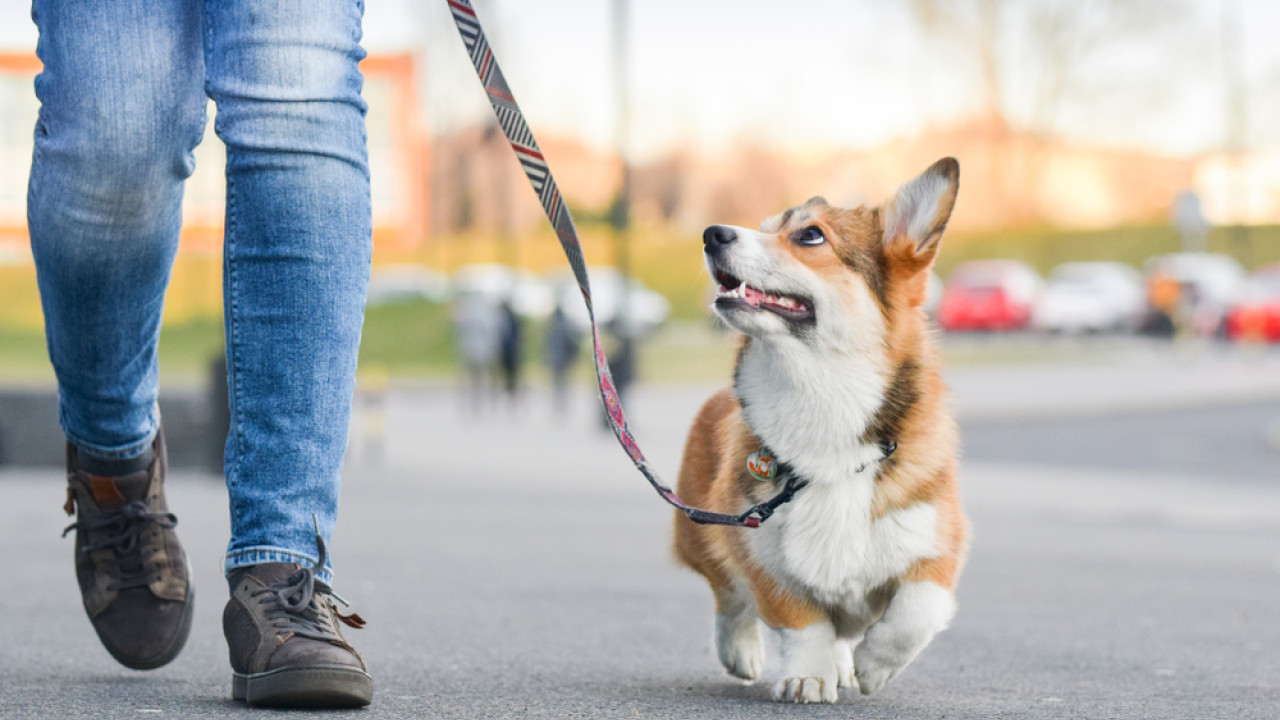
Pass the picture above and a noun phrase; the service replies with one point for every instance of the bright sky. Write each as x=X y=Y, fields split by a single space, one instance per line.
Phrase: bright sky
x=801 y=75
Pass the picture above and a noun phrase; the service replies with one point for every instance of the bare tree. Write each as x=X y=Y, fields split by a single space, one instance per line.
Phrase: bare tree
x=1044 y=69
x=1035 y=58
x=449 y=83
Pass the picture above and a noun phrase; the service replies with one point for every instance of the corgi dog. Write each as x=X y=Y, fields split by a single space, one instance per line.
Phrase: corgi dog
x=836 y=389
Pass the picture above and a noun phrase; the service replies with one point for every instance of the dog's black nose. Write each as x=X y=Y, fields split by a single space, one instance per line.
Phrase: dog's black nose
x=717 y=236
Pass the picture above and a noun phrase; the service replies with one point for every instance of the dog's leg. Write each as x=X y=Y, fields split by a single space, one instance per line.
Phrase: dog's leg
x=737 y=635
x=807 y=640
x=809 y=665
x=917 y=612
x=844 y=662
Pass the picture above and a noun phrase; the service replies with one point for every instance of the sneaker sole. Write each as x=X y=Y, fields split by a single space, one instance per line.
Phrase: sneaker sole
x=309 y=687
x=175 y=646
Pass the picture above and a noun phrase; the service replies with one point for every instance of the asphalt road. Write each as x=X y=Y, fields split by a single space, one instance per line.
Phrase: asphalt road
x=1237 y=443
x=514 y=565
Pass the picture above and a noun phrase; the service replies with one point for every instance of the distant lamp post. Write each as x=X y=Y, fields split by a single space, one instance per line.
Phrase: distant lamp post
x=1234 y=106
x=1188 y=217
x=624 y=360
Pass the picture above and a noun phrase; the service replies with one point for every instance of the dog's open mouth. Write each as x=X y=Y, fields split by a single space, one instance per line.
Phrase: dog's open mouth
x=737 y=294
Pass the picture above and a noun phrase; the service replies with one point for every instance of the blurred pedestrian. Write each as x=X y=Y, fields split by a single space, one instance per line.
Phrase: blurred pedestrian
x=1163 y=297
x=561 y=351
x=511 y=348
x=123 y=96
x=372 y=397
x=478 y=327
x=622 y=364
x=1189 y=314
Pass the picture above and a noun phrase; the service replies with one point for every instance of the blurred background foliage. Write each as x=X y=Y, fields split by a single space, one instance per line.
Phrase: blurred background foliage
x=1078 y=125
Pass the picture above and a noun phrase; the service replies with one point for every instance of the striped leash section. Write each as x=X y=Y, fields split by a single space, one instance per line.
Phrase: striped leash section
x=535 y=168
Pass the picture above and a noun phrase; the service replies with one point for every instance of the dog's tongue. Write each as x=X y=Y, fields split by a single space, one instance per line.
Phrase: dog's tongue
x=753 y=296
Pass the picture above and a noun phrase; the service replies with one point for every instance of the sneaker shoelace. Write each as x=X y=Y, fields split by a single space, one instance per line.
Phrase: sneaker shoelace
x=299 y=604
x=120 y=531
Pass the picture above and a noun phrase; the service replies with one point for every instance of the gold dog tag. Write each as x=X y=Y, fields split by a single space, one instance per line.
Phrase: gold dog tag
x=761 y=466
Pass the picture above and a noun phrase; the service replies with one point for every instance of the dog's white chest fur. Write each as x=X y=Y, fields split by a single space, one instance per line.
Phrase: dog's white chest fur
x=824 y=543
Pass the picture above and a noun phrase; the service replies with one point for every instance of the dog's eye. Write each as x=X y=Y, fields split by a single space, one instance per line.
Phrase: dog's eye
x=811 y=235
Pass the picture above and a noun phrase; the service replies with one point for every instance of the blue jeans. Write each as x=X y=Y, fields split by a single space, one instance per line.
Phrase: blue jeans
x=123 y=98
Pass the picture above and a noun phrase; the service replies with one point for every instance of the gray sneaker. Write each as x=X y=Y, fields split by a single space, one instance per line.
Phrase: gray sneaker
x=131 y=568
x=286 y=647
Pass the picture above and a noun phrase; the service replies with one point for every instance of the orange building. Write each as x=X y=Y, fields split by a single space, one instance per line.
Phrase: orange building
x=398 y=162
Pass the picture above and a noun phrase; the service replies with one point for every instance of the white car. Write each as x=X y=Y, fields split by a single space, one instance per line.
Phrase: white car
x=646 y=309
x=1090 y=297
x=528 y=294
x=399 y=283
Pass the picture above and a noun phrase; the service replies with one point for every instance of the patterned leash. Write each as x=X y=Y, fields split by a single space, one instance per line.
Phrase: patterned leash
x=535 y=168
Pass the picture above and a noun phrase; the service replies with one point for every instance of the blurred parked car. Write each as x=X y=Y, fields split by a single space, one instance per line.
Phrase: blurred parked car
x=528 y=294
x=988 y=295
x=398 y=283
x=1090 y=297
x=1256 y=315
x=933 y=294
x=1194 y=290
x=647 y=309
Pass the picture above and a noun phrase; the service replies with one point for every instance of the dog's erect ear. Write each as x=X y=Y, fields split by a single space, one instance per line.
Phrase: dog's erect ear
x=918 y=213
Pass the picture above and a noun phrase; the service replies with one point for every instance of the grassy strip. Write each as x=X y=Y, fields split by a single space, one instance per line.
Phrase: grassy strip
x=185 y=353
x=408 y=338
x=1044 y=249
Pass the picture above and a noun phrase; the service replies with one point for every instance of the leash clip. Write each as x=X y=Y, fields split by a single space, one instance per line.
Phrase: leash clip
x=765 y=510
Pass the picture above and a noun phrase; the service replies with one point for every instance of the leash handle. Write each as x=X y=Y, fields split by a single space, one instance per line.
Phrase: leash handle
x=513 y=124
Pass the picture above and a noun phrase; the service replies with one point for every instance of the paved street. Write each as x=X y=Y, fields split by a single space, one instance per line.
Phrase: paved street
x=1237 y=443
x=516 y=566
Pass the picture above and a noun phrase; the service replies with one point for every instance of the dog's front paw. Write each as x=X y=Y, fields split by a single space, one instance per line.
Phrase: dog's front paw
x=744 y=658
x=805 y=690
x=740 y=646
x=844 y=665
x=872 y=675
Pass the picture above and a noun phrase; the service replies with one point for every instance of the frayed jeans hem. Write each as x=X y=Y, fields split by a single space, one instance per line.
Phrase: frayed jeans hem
x=267 y=554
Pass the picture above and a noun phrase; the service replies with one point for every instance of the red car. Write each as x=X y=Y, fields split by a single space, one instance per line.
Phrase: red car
x=1256 y=316
x=988 y=295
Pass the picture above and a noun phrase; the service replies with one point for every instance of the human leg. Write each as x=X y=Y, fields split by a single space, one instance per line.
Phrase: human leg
x=112 y=148
x=298 y=242
x=121 y=109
